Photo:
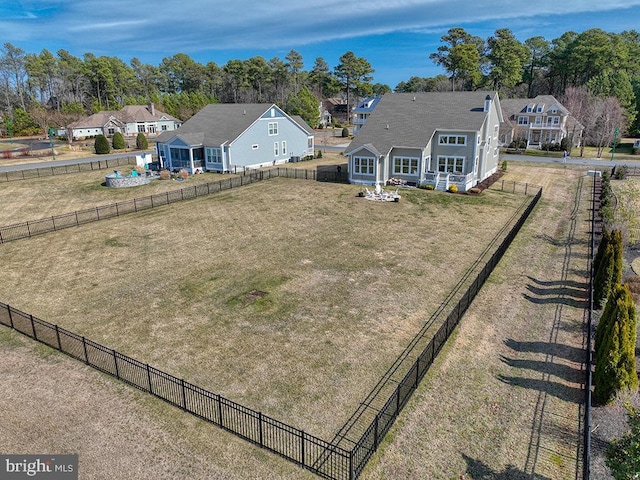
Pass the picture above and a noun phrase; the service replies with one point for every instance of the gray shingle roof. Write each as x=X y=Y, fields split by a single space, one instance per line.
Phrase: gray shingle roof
x=410 y=119
x=218 y=123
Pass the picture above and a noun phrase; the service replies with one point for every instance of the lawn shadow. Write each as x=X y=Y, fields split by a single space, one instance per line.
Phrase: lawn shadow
x=556 y=349
x=560 y=283
x=555 y=389
x=570 y=302
x=565 y=292
x=478 y=470
x=550 y=368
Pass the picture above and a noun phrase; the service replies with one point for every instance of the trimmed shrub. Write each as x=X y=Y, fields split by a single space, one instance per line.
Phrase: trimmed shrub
x=609 y=266
x=117 y=142
x=504 y=166
x=183 y=174
x=101 y=145
x=615 y=344
x=345 y=132
x=319 y=154
x=623 y=454
x=453 y=189
x=165 y=175
x=141 y=142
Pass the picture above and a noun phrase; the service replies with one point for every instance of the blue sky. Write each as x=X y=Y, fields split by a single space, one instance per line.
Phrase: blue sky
x=395 y=36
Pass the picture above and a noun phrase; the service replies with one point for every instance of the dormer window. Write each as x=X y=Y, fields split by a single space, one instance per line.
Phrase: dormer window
x=529 y=108
x=539 y=108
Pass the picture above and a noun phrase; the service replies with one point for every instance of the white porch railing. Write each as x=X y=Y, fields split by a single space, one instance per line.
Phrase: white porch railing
x=443 y=180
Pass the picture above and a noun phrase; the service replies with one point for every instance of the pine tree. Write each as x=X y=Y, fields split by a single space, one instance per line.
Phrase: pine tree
x=101 y=145
x=141 y=142
x=117 y=142
x=615 y=346
x=607 y=266
x=604 y=241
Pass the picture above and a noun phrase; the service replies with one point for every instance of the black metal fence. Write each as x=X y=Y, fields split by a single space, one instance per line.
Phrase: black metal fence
x=327 y=459
x=58 y=222
x=66 y=169
x=586 y=452
x=370 y=440
x=306 y=450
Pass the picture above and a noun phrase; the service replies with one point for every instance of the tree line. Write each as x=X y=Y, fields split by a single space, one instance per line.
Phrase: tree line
x=44 y=89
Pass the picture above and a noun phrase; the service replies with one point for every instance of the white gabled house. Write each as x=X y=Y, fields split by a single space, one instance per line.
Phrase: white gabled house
x=231 y=137
x=434 y=138
x=129 y=121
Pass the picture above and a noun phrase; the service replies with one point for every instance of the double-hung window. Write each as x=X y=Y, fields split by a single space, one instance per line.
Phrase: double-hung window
x=273 y=128
x=450 y=164
x=363 y=166
x=405 y=166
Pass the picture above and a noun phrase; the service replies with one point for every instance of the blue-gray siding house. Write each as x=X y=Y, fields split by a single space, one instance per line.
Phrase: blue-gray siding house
x=435 y=138
x=234 y=137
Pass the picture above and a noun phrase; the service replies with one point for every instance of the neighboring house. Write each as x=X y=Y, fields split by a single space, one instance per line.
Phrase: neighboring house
x=362 y=111
x=538 y=121
x=434 y=138
x=336 y=109
x=129 y=121
x=230 y=137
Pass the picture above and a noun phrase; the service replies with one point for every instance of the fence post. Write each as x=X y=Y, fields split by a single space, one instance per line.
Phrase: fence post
x=220 y=410
x=10 y=317
x=28 y=230
x=97 y=213
x=375 y=431
x=260 y=428
x=302 y=453
x=86 y=355
x=53 y=221
x=33 y=327
x=115 y=363
x=76 y=212
x=135 y=205
x=184 y=395
x=149 y=379
x=417 y=372
x=58 y=337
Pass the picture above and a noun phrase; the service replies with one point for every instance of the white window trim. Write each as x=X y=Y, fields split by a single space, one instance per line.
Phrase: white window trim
x=255 y=146
x=397 y=169
x=276 y=149
x=283 y=147
x=448 y=137
x=273 y=128
x=358 y=163
x=523 y=120
x=455 y=159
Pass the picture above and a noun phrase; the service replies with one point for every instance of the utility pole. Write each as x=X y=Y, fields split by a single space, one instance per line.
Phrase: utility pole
x=615 y=139
x=53 y=152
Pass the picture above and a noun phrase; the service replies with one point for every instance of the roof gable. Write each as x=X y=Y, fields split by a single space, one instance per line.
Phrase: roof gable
x=410 y=119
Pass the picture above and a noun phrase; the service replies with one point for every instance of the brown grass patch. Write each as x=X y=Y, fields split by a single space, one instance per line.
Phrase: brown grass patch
x=349 y=283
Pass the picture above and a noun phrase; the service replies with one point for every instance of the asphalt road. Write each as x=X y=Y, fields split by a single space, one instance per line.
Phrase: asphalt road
x=602 y=163
x=71 y=161
x=595 y=162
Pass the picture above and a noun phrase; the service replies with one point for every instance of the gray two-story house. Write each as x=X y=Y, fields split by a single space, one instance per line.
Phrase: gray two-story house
x=538 y=122
x=232 y=137
x=434 y=138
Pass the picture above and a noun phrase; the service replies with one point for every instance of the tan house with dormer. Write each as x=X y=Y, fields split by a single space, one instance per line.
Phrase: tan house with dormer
x=130 y=120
